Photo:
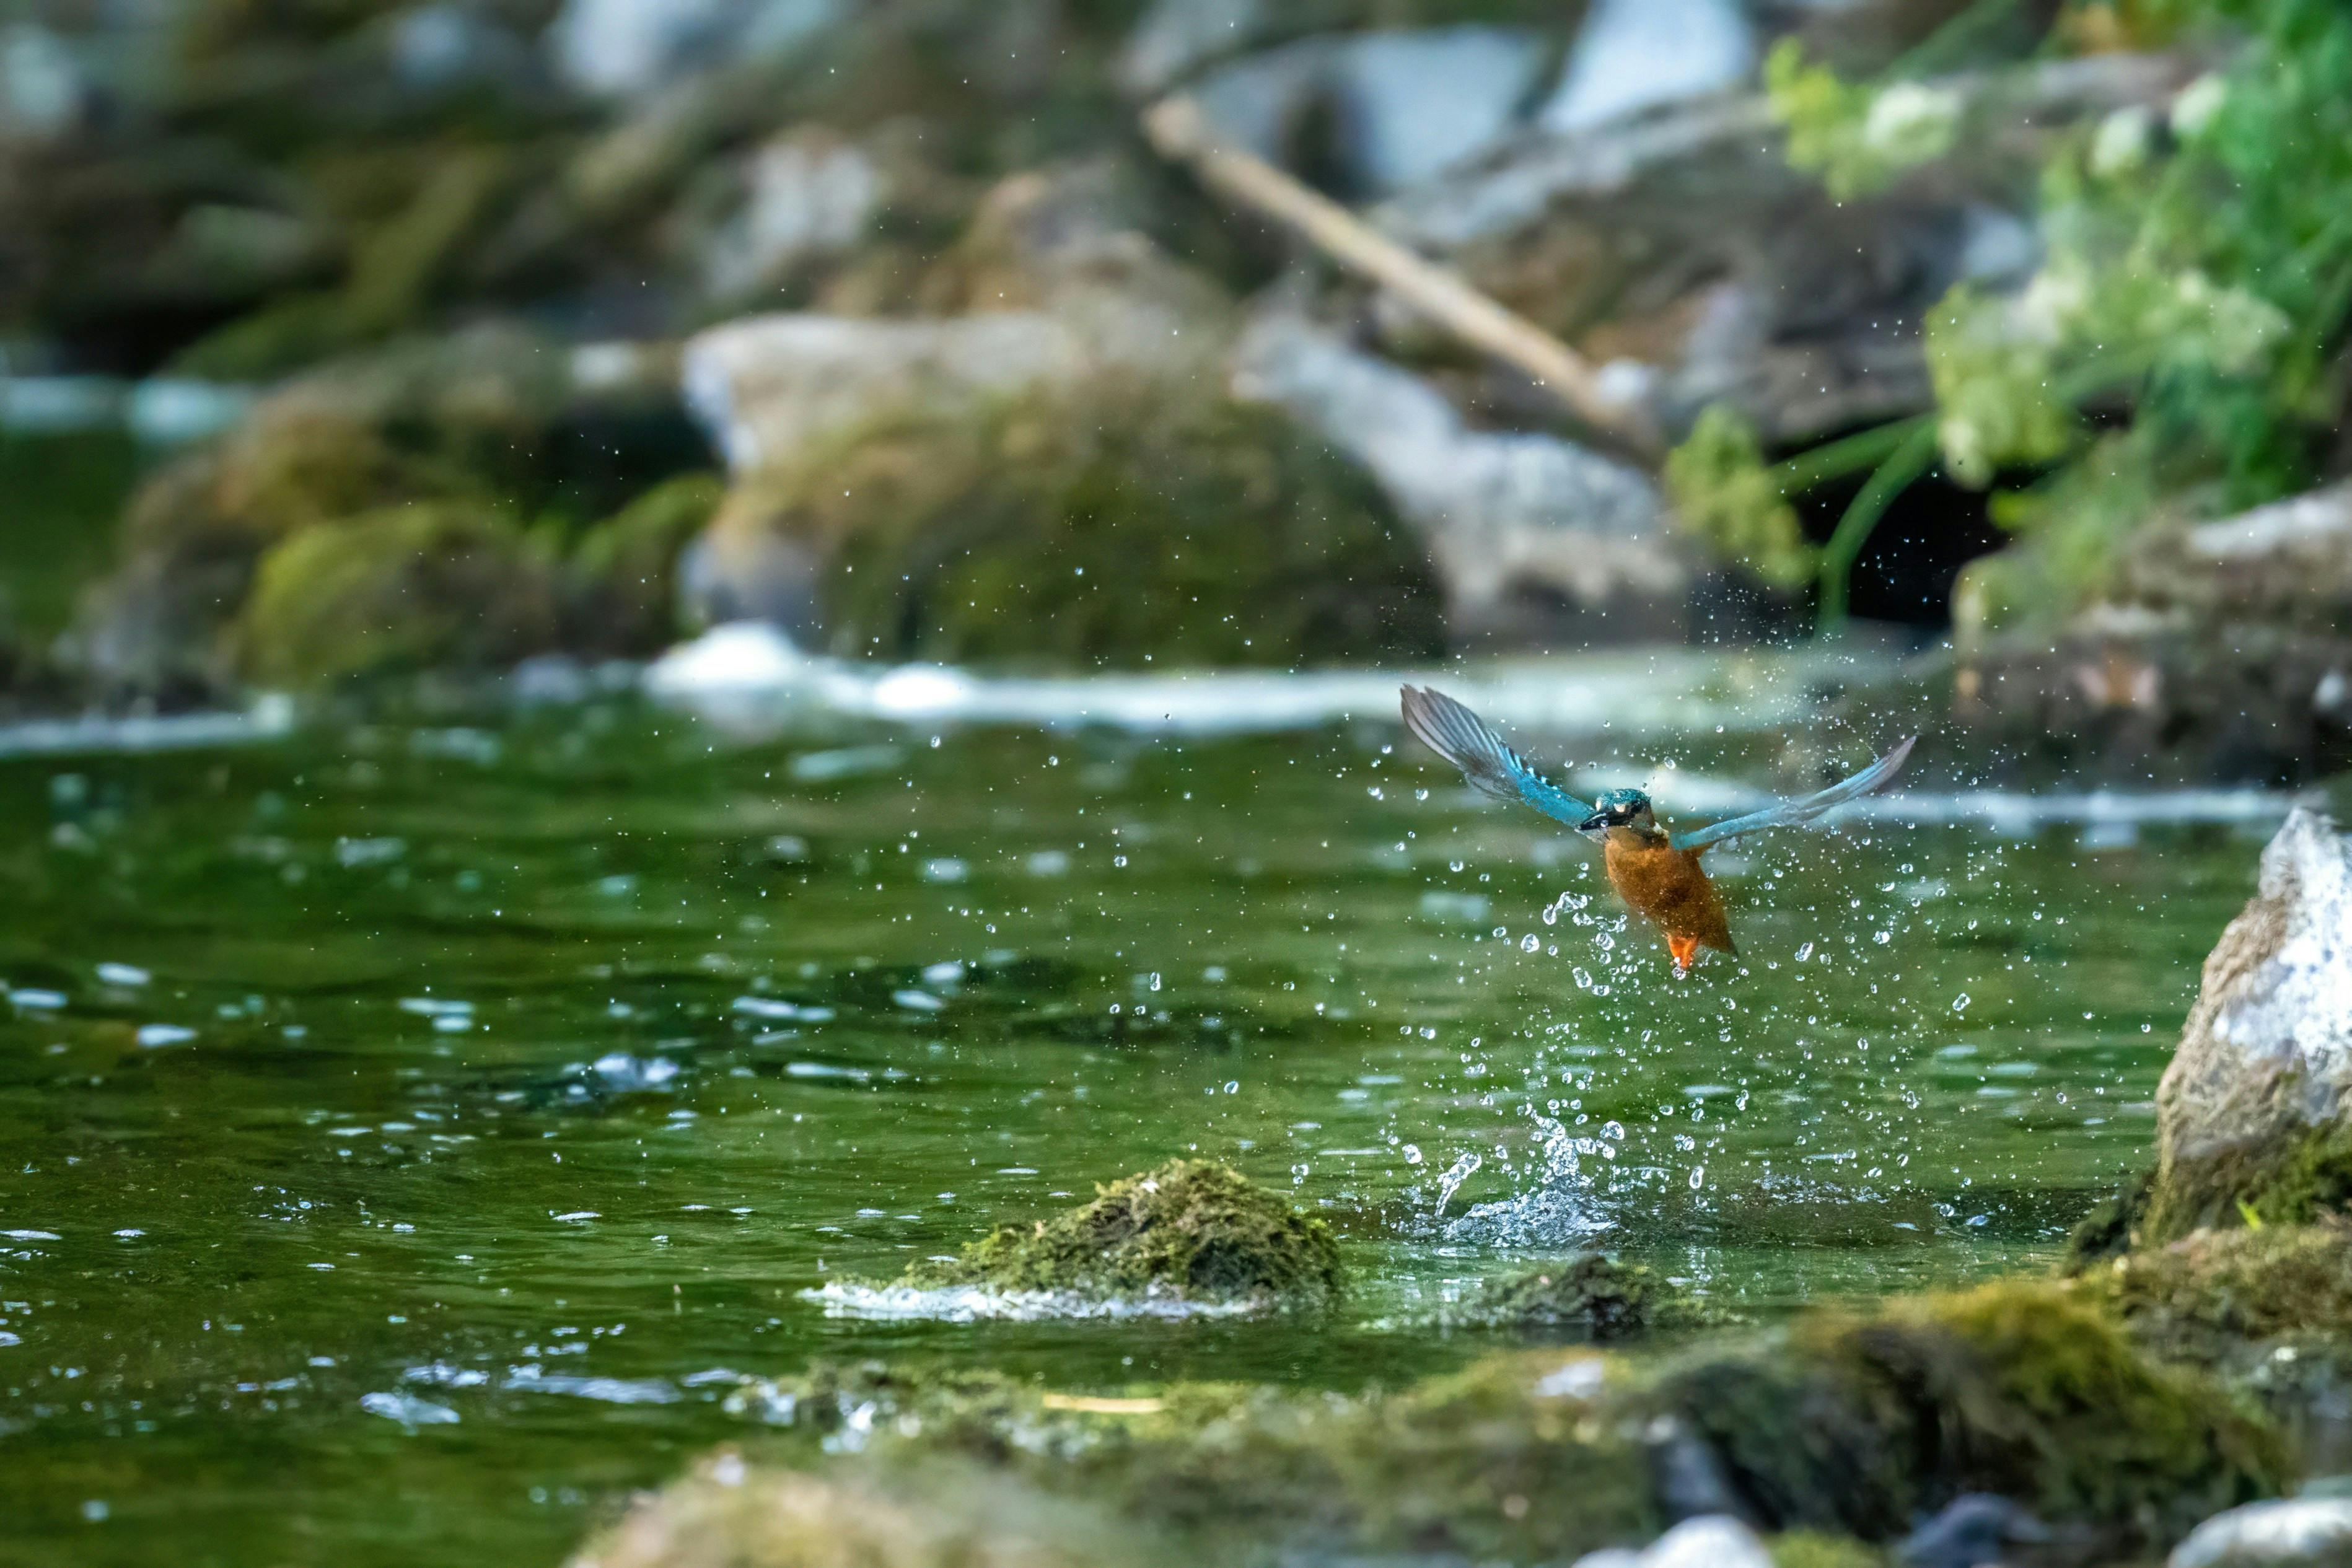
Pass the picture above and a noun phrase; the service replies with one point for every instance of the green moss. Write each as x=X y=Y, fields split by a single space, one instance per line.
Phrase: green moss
x=1813 y=1548
x=629 y=560
x=2107 y=1229
x=1109 y=525
x=1723 y=492
x=2216 y=1286
x=2288 y=1181
x=397 y=591
x=1857 y=1425
x=1189 y=1229
x=1588 y=1294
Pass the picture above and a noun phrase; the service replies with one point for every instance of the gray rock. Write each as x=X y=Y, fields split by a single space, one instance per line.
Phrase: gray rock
x=1716 y=1541
x=624 y=48
x=2299 y=1532
x=44 y=90
x=1177 y=36
x=2267 y=1050
x=1509 y=517
x=811 y=193
x=1637 y=55
x=1973 y=1531
x=1400 y=108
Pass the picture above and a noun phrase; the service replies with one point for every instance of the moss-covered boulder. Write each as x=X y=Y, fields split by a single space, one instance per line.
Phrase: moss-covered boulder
x=416 y=589
x=2215 y=1292
x=1858 y=1425
x=2255 y=1111
x=498 y=426
x=1189 y=1229
x=1109 y=524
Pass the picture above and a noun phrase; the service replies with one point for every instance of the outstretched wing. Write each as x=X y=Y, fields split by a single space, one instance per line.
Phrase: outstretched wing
x=1790 y=813
x=1462 y=738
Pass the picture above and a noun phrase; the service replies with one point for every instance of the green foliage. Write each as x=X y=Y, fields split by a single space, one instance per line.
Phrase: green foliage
x=2198 y=269
x=1723 y=492
x=1858 y=139
x=1189 y=1229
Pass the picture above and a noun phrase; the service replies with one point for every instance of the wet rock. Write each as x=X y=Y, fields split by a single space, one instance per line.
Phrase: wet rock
x=1191 y=1230
x=2251 y=1114
x=1636 y=54
x=1375 y=112
x=1112 y=524
x=731 y=1513
x=2293 y=1532
x=628 y=47
x=1533 y=535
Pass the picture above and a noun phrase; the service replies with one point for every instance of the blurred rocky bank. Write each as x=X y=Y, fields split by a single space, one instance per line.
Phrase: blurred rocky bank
x=459 y=333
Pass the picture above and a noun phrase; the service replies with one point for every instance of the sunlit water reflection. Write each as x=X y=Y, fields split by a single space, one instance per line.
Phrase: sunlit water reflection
x=411 y=1132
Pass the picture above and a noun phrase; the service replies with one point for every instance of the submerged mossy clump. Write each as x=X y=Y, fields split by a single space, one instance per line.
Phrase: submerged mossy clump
x=1590 y=1293
x=1510 y=1459
x=1858 y=1425
x=1191 y=1230
x=1104 y=524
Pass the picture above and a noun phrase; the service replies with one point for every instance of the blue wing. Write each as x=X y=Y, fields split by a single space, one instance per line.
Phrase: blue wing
x=1462 y=738
x=1790 y=813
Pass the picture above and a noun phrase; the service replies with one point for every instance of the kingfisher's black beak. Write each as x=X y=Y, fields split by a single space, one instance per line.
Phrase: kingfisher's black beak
x=1596 y=823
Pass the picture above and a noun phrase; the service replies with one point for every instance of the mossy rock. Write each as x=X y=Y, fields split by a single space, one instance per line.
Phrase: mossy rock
x=1189 y=1229
x=413 y=588
x=2288 y=1181
x=1106 y=525
x=2230 y=1287
x=1511 y=1459
x=728 y=1513
x=629 y=560
x=1859 y=1425
x=1589 y=1294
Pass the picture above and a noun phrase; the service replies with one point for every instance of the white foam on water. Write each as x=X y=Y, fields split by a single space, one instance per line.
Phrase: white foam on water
x=974 y=1303
x=749 y=678
x=408 y=1409
x=97 y=734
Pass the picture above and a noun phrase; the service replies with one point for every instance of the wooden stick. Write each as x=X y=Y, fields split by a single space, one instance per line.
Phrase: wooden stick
x=1179 y=134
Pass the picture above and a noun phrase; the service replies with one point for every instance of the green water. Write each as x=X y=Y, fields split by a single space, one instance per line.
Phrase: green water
x=349 y=1137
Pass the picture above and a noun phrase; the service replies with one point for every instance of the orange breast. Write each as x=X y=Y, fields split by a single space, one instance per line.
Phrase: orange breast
x=1667 y=887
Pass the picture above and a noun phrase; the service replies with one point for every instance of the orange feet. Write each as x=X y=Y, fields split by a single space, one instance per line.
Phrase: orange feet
x=1684 y=949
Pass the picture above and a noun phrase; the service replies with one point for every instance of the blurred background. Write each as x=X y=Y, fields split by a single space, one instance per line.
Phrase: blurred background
x=353 y=342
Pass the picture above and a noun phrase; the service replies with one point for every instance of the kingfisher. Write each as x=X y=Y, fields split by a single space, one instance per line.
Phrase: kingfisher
x=1657 y=873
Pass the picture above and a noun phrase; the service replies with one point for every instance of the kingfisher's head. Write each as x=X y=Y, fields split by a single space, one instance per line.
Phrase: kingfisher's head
x=1620 y=808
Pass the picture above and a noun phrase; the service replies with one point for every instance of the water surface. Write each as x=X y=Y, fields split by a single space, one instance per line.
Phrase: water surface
x=412 y=1131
